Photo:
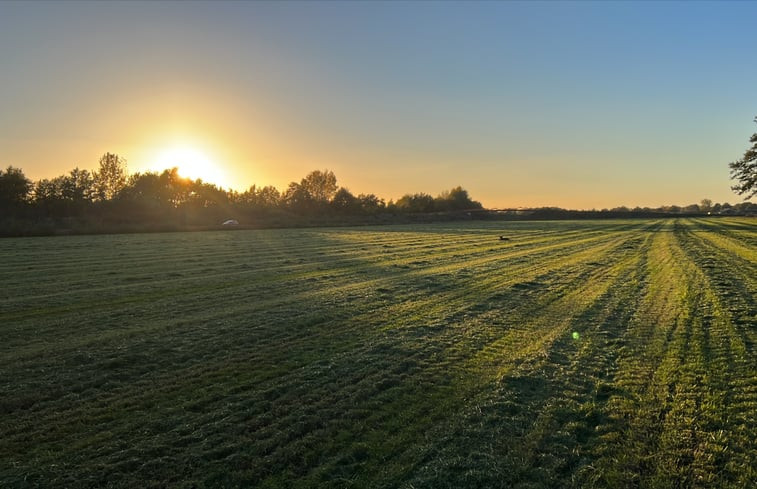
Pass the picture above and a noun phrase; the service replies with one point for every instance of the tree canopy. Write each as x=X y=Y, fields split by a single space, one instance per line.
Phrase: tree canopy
x=111 y=178
x=14 y=187
x=744 y=171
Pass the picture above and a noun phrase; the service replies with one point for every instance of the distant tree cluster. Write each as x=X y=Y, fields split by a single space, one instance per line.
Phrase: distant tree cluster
x=456 y=199
x=704 y=208
x=109 y=199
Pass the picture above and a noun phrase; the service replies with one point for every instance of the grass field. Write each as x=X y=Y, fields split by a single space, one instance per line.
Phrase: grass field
x=577 y=354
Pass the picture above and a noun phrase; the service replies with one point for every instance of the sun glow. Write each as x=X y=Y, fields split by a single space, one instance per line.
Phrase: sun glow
x=191 y=163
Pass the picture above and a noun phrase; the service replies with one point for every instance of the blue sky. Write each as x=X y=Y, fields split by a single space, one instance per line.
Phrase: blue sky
x=575 y=104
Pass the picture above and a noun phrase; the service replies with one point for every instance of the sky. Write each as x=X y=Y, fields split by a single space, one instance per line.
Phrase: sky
x=572 y=104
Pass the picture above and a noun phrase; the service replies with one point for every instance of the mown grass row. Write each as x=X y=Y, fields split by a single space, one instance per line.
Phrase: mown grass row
x=615 y=353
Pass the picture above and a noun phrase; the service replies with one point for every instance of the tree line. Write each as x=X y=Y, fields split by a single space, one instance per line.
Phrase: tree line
x=109 y=199
x=705 y=208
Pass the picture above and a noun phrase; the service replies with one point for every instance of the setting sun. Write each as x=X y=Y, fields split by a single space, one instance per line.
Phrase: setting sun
x=191 y=163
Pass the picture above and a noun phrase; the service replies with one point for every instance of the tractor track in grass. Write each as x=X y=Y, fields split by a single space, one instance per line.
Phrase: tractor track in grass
x=681 y=375
x=517 y=423
x=697 y=368
x=724 y=305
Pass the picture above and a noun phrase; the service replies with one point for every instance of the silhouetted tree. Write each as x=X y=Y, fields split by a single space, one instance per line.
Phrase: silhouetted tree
x=312 y=194
x=174 y=188
x=260 y=198
x=344 y=202
x=745 y=170
x=370 y=204
x=78 y=186
x=206 y=195
x=169 y=199
x=14 y=187
x=111 y=177
x=269 y=196
x=66 y=195
x=144 y=188
x=46 y=191
x=415 y=203
x=456 y=199
x=746 y=209
x=297 y=198
x=320 y=186
x=206 y=204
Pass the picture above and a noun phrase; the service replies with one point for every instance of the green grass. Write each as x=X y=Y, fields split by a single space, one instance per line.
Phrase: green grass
x=577 y=354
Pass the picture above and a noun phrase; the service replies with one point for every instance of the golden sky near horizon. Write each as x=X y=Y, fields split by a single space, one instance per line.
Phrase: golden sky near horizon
x=576 y=105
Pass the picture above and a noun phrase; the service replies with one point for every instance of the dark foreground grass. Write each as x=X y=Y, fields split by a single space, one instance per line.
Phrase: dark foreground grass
x=577 y=354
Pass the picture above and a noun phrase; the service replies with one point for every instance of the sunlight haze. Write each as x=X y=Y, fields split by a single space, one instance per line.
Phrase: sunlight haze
x=571 y=104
